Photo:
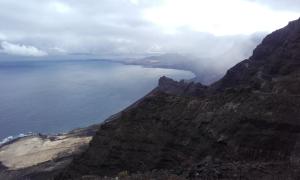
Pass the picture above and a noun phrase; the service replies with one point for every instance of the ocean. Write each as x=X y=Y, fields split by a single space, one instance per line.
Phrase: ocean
x=57 y=96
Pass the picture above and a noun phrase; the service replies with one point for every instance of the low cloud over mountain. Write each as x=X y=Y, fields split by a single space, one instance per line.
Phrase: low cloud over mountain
x=140 y=28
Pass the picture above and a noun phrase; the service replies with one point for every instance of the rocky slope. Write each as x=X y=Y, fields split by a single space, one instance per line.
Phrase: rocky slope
x=245 y=126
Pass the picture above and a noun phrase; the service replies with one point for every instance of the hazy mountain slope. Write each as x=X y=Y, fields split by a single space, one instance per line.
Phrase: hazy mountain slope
x=275 y=61
x=203 y=70
x=246 y=125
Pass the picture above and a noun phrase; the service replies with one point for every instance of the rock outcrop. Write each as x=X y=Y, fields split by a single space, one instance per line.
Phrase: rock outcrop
x=182 y=88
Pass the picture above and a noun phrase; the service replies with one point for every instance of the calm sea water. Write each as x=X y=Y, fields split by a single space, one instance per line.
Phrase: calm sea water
x=57 y=96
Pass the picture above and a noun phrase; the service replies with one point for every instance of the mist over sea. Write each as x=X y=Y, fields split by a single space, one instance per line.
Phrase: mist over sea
x=57 y=96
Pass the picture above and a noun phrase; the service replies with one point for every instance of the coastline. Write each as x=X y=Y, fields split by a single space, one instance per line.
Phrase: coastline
x=48 y=153
x=12 y=138
x=43 y=155
x=149 y=65
x=8 y=135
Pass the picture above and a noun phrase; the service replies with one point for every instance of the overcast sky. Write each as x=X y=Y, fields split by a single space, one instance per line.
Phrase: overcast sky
x=203 y=28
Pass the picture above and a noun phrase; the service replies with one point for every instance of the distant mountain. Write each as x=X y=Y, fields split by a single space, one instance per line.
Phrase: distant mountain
x=245 y=126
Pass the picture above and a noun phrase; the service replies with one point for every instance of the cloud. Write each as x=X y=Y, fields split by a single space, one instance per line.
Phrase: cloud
x=218 y=17
x=21 y=50
x=135 y=2
x=285 y=5
x=2 y=36
x=220 y=33
x=60 y=7
x=129 y=27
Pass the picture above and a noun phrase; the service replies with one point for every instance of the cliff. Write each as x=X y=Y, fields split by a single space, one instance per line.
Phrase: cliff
x=245 y=126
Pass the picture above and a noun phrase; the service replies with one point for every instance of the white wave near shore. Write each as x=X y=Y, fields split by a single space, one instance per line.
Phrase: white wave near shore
x=31 y=150
x=11 y=138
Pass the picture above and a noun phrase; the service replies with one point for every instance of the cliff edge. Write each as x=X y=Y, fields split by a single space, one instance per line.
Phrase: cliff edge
x=245 y=126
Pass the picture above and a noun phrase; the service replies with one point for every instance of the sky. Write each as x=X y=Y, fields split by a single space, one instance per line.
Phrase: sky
x=208 y=29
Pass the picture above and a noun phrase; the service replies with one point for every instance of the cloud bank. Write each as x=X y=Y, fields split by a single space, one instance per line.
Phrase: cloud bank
x=21 y=50
x=284 y=5
x=131 y=27
x=219 y=33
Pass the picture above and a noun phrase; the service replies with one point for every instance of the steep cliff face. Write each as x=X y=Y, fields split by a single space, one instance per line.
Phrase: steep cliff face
x=246 y=125
x=274 y=66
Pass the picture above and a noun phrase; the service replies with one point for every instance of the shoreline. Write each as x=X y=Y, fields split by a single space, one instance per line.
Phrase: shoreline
x=23 y=154
x=43 y=155
x=145 y=65
x=12 y=138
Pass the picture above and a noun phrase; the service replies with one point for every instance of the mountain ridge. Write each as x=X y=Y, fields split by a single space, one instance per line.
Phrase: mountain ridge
x=246 y=125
